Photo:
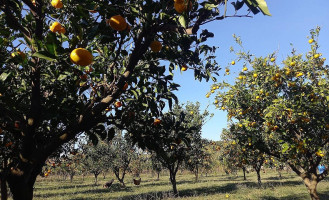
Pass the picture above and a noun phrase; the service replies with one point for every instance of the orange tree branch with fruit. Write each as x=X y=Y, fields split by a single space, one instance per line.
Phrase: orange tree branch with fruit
x=283 y=110
x=67 y=62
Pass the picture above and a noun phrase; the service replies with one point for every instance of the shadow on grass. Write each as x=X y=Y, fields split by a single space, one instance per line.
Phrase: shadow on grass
x=66 y=187
x=269 y=184
x=94 y=190
x=288 y=197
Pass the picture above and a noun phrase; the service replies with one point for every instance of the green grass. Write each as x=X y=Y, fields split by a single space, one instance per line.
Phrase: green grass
x=212 y=187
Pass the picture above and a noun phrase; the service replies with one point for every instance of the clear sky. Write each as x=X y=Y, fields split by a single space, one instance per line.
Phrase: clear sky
x=290 y=23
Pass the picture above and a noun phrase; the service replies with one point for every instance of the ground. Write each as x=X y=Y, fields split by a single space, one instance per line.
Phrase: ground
x=215 y=186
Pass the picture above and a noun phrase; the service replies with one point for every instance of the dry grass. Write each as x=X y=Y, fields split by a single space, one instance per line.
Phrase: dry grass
x=212 y=188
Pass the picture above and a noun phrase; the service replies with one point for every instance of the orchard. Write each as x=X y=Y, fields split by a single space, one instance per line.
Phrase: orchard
x=88 y=87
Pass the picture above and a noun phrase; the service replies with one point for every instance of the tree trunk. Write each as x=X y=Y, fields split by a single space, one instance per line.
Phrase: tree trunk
x=258 y=177
x=96 y=175
x=311 y=183
x=244 y=173
x=196 y=173
x=4 y=194
x=21 y=188
x=158 y=175
x=71 y=177
x=173 y=182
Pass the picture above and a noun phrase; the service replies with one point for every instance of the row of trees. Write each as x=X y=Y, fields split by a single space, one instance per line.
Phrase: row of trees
x=282 y=111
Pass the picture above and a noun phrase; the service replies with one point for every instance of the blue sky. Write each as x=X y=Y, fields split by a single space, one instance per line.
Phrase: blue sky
x=290 y=23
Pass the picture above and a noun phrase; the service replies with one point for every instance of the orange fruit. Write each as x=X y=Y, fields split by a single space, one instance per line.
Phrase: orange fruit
x=8 y=144
x=155 y=46
x=55 y=27
x=81 y=56
x=272 y=59
x=233 y=62
x=184 y=68
x=21 y=54
x=117 y=22
x=310 y=41
x=62 y=30
x=83 y=77
x=117 y=104
x=57 y=3
x=125 y=86
x=157 y=121
x=181 y=5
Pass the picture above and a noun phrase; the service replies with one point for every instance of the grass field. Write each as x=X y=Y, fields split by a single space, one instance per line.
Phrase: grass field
x=212 y=187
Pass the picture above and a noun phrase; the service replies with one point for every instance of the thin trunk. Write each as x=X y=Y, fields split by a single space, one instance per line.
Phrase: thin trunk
x=173 y=182
x=244 y=173
x=96 y=175
x=196 y=173
x=258 y=177
x=71 y=177
x=158 y=175
x=311 y=183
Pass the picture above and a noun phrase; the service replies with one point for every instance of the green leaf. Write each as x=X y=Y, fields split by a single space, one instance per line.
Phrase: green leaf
x=44 y=55
x=285 y=147
x=209 y=6
x=4 y=76
x=182 y=21
x=61 y=77
x=263 y=7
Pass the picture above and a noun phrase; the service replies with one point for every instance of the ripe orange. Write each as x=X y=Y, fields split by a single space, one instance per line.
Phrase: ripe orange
x=118 y=23
x=125 y=86
x=156 y=46
x=17 y=123
x=21 y=54
x=117 y=104
x=181 y=5
x=81 y=56
x=317 y=55
x=233 y=62
x=55 y=27
x=62 y=30
x=227 y=70
x=57 y=3
x=8 y=144
x=184 y=68
x=310 y=41
x=157 y=121
x=293 y=63
x=255 y=75
x=83 y=77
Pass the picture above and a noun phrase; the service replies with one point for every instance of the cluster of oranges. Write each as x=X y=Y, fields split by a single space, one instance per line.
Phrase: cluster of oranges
x=56 y=27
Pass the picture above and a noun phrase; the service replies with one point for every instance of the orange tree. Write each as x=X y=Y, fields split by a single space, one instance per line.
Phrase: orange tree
x=283 y=110
x=237 y=154
x=121 y=153
x=172 y=138
x=65 y=62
